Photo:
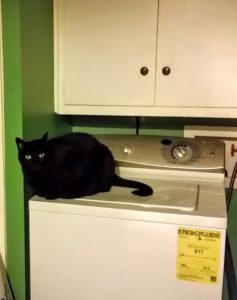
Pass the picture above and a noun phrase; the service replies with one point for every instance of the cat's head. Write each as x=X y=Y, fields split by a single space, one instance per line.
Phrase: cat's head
x=33 y=155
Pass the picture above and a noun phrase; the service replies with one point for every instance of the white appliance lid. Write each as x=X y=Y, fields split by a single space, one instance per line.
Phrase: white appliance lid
x=166 y=194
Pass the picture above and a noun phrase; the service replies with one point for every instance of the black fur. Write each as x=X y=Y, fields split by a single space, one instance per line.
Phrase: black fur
x=71 y=166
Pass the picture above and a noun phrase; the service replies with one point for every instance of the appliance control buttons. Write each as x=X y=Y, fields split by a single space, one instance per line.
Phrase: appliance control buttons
x=181 y=151
x=127 y=150
x=166 y=142
x=212 y=154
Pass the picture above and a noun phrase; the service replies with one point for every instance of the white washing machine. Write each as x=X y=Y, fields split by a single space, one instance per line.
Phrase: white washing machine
x=118 y=246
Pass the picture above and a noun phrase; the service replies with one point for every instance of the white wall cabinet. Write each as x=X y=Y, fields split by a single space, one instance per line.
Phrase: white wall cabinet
x=154 y=58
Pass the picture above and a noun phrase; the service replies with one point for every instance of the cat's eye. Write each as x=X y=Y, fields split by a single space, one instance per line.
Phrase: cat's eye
x=28 y=156
x=41 y=155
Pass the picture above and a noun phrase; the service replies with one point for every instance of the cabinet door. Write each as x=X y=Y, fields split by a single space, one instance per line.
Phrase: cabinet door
x=100 y=47
x=197 y=40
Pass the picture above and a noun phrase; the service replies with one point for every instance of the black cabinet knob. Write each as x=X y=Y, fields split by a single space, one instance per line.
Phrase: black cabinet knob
x=144 y=71
x=166 y=71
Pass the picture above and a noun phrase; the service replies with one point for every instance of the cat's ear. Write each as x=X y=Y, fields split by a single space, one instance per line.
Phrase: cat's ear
x=20 y=144
x=44 y=138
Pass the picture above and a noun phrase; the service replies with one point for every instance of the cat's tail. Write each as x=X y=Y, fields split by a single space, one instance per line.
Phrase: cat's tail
x=142 y=189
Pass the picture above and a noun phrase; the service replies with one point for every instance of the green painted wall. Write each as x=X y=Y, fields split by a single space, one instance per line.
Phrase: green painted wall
x=127 y=125
x=37 y=82
x=13 y=127
x=37 y=70
x=28 y=106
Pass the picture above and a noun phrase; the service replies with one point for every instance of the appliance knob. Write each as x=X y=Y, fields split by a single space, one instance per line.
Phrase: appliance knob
x=180 y=151
x=127 y=150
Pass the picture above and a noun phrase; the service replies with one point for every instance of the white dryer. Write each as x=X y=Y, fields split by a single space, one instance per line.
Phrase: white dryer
x=118 y=246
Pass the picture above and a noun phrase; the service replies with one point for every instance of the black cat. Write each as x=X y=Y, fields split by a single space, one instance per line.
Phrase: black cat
x=71 y=166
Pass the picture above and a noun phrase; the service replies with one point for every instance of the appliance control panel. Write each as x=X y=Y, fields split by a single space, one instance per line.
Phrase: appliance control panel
x=166 y=152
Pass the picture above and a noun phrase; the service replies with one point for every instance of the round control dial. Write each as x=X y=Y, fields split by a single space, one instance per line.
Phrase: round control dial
x=181 y=151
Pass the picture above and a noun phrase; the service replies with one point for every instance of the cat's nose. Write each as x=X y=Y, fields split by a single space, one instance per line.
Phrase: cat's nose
x=35 y=167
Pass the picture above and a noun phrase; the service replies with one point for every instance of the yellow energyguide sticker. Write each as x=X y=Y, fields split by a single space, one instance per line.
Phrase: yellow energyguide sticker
x=198 y=255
